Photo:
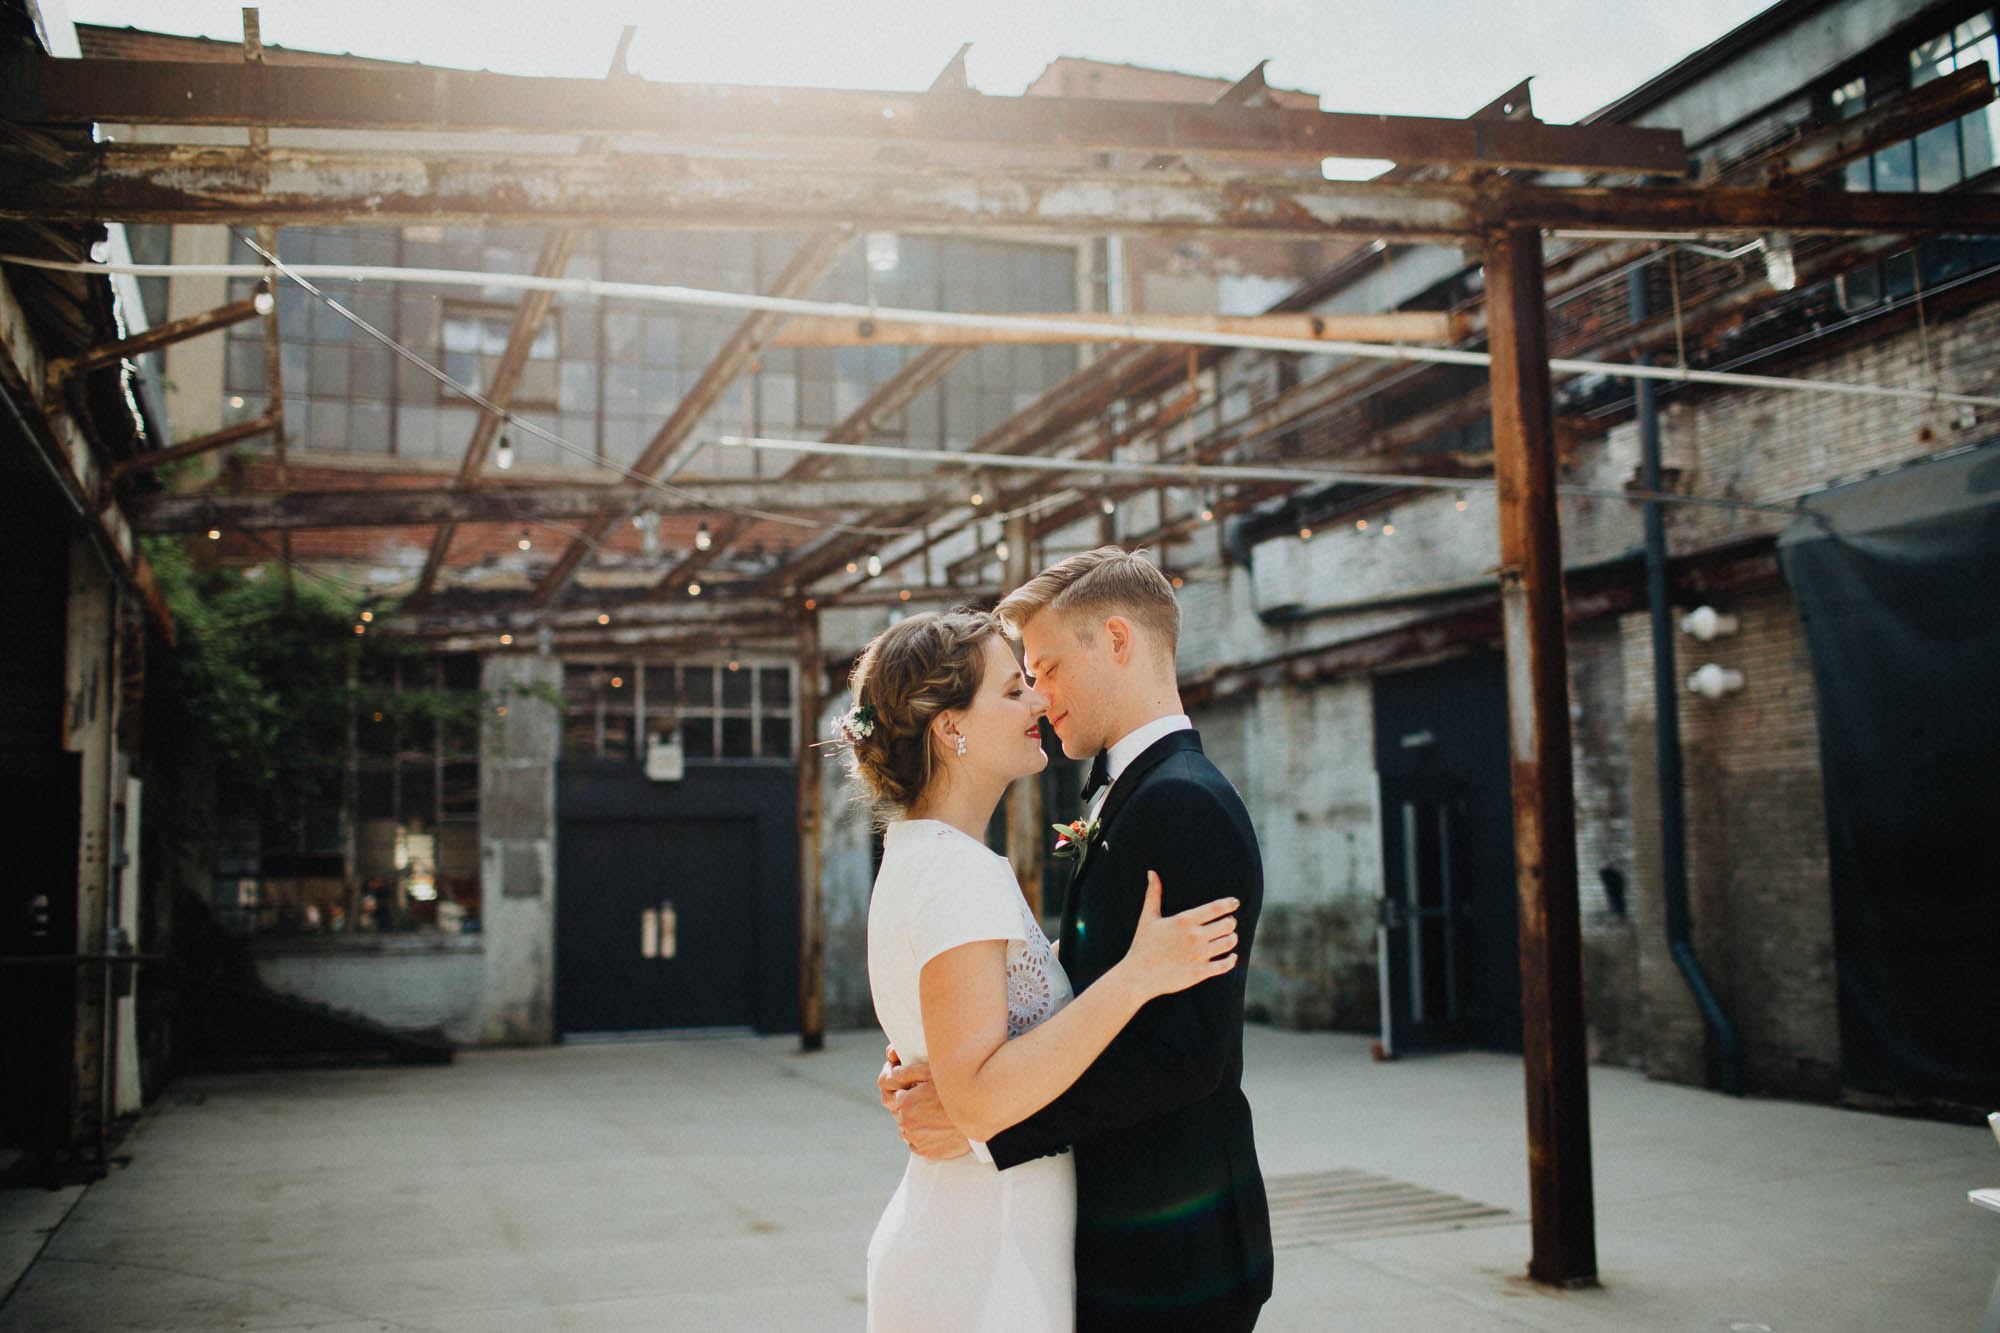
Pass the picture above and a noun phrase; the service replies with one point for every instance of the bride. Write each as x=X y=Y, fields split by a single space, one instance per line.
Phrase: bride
x=943 y=720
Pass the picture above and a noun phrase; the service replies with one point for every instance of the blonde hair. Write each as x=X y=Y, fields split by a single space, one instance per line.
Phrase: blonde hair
x=1107 y=581
x=906 y=676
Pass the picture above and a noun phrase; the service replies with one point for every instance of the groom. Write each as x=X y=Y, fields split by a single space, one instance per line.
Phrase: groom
x=1172 y=1228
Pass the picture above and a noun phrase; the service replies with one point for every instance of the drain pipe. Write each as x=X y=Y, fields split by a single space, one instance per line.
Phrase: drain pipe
x=1666 y=722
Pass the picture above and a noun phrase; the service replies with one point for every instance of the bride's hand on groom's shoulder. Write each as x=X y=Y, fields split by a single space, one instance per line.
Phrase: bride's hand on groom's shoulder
x=1172 y=953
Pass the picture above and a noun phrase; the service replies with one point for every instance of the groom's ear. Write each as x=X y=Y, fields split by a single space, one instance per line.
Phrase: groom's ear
x=1118 y=635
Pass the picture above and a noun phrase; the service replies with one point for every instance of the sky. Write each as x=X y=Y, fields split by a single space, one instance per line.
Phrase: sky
x=1403 y=57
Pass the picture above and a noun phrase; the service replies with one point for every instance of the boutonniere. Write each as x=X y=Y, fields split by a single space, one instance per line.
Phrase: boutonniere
x=1073 y=839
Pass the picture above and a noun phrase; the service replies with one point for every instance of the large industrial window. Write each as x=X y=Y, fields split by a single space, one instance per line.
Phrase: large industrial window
x=726 y=709
x=1941 y=157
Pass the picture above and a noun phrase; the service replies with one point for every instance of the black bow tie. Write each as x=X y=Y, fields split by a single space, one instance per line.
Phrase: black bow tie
x=1100 y=775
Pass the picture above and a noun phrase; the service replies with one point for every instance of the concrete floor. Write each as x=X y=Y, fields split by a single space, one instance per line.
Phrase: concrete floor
x=711 y=1184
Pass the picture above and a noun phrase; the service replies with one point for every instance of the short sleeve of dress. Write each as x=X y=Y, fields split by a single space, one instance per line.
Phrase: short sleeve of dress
x=958 y=903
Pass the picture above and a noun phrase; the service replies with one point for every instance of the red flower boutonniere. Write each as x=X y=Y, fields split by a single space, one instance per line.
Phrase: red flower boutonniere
x=1073 y=839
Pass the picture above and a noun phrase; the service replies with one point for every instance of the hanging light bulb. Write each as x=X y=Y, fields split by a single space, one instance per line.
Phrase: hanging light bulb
x=1207 y=514
x=503 y=456
x=1002 y=550
x=263 y=302
x=647 y=521
x=367 y=617
x=1108 y=505
x=1388 y=529
x=1361 y=525
x=1460 y=506
x=1305 y=534
x=100 y=251
x=977 y=498
x=874 y=565
x=603 y=619
x=215 y=534
x=360 y=629
x=694 y=590
x=506 y=639
x=702 y=538
x=812 y=604
x=525 y=543
x=853 y=568
x=904 y=595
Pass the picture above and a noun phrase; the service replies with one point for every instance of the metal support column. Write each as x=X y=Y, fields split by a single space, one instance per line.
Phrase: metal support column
x=1024 y=799
x=1531 y=597
x=812 y=896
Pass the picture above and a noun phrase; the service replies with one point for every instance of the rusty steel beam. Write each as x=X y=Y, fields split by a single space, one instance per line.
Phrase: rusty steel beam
x=812 y=892
x=1410 y=326
x=1901 y=117
x=529 y=316
x=891 y=396
x=188 y=183
x=670 y=448
x=1553 y=1037
x=557 y=248
x=276 y=511
x=622 y=614
x=154 y=338
x=160 y=92
x=228 y=435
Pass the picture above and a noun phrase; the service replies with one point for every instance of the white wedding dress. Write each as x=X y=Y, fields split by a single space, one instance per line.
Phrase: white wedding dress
x=963 y=1247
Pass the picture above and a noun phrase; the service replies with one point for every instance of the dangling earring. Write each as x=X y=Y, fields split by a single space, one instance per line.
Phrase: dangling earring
x=961 y=747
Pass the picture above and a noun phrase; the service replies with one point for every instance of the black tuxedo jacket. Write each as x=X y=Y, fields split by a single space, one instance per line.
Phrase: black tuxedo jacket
x=1170 y=1202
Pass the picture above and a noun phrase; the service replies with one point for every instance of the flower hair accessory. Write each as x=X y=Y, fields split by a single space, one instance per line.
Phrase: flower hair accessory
x=856 y=724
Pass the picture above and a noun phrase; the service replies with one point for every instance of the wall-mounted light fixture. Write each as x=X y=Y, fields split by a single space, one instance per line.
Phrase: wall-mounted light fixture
x=1715 y=682
x=1705 y=623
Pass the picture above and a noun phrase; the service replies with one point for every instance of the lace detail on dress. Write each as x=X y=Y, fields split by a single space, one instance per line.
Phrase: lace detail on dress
x=1036 y=987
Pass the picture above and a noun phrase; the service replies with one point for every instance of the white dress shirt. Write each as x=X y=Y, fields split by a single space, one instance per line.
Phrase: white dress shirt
x=1130 y=746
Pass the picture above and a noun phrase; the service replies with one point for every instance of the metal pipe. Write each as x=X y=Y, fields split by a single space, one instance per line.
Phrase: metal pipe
x=1108 y=328
x=1666 y=729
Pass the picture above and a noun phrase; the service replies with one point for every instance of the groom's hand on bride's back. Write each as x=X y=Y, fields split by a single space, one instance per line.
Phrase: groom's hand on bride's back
x=909 y=1095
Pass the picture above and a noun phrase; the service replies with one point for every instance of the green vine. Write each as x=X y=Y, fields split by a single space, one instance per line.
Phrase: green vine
x=270 y=676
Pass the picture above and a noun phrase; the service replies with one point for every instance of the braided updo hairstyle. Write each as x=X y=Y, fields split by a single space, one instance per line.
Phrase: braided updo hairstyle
x=907 y=675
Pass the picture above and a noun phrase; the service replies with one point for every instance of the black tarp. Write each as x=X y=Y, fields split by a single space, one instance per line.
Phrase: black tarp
x=1898 y=584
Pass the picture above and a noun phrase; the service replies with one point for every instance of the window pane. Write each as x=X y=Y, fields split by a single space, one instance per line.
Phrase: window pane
x=1895 y=169
x=618 y=736
x=418 y=799
x=776 y=740
x=698 y=687
x=698 y=737
x=774 y=688
x=736 y=689
x=736 y=738
x=1937 y=158
x=1976 y=135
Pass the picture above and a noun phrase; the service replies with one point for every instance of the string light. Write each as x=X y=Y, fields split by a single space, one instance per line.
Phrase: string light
x=977 y=498
x=702 y=539
x=360 y=629
x=1361 y=525
x=904 y=595
x=368 y=617
x=603 y=619
x=1305 y=534
x=1207 y=514
x=618 y=682
x=1388 y=529
x=215 y=534
x=1177 y=580
x=1002 y=551
x=503 y=457
x=524 y=543
x=694 y=590
x=874 y=565
x=506 y=639
x=1460 y=506
x=1108 y=506
x=853 y=568
x=811 y=604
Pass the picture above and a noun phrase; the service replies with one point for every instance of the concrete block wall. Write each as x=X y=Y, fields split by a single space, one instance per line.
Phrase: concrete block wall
x=1302 y=757
x=517 y=847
